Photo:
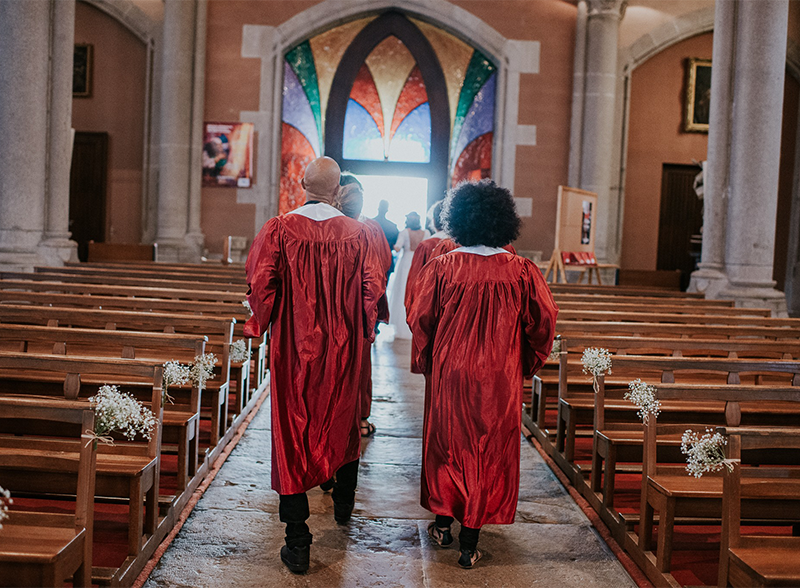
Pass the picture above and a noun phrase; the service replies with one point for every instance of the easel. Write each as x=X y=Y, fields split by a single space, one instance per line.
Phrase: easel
x=575 y=232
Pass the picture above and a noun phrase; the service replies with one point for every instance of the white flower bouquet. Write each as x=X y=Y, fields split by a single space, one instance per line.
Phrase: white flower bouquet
x=246 y=304
x=556 y=351
x=596 y=361
x=202 y=369
x=704 y=453
x=643 y=395
x=175 y=374
x=118 y=412
x=5 y=500
x=238 y=351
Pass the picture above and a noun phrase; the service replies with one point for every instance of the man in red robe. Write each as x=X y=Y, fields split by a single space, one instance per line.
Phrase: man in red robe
x=482 y=319
x=315 y=284
x=351 y=202
x=424 y=253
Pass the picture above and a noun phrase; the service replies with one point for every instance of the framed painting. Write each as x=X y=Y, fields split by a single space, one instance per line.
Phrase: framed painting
x=82 y=71
x=698 y=95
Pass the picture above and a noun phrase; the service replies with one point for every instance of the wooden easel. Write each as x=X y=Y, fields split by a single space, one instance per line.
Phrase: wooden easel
x=569 y=234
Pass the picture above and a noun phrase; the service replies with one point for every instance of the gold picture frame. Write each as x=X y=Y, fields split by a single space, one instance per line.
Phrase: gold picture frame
x=82 y=65
x=698 y=95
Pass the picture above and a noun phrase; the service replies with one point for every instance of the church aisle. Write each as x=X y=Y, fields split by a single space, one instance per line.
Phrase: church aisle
x=233 y=536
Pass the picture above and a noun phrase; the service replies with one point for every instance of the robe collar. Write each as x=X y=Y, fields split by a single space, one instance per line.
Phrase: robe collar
x=439 y=235
x=319 y=211
x=480 y=250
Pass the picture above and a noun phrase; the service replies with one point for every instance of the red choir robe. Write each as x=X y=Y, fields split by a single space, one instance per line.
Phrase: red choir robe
x=422 y=255
x=315 y=282
x=381 y=248
x=447 y=245
x=481 y=322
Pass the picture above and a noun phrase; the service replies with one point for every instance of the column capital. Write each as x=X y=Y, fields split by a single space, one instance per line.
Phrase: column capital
x=607 y=8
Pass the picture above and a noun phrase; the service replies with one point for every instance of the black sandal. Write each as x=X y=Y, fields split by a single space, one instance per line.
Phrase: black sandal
x=367 y=430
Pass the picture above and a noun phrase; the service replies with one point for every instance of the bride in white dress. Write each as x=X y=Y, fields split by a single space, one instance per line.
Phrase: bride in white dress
x=407 y=242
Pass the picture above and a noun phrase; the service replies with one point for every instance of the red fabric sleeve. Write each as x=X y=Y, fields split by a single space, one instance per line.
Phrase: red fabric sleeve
x=422 y=318
x=263 y=277
x=538 y=321
x=373 y=284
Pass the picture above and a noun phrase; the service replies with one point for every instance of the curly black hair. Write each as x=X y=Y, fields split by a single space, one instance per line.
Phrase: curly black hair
x=481 y=213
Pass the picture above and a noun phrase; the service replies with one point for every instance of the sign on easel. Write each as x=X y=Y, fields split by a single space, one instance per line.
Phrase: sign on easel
x=575 y=234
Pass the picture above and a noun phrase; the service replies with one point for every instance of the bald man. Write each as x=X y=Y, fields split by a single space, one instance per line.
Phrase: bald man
x=315 y=283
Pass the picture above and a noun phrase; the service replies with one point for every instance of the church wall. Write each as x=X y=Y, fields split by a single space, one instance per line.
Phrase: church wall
x=655 y=137
x=117 y=108
x=233 y=82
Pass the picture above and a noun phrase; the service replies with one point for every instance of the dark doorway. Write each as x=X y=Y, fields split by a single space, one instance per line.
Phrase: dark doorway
x=680 y=220
x=87 y=190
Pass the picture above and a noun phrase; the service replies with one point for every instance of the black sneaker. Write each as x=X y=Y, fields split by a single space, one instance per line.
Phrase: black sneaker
x=469 y=558
x=326 y=486
x=296 y=558
x=342 y=512
x=440 y=535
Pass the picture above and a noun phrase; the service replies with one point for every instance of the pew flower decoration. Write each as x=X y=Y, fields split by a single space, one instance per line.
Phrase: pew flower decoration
x=202 y=369
x=556 y=352
x=246 y=304
x=238 y=351
x=175 y=374
x=5 y=500
x=704 y=453
x=597 y=362
x=643 y=395
x=118 y=412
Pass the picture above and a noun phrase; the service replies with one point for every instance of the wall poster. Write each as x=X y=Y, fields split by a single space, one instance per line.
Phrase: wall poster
x=228 y=154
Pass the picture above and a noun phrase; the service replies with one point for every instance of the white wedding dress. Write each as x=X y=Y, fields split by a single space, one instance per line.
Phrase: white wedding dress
x=407 y=242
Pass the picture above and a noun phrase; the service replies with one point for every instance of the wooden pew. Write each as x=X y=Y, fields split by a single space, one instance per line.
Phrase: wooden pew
x=747 y=560
x=46 y=548
x=130 y=470
x=101 y=277
x=621 y=291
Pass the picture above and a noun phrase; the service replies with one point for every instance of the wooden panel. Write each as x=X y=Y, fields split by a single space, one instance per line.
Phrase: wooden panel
x=87 y=190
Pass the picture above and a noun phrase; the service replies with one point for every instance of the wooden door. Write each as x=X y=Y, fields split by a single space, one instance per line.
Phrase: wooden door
x=681 y=218
x=87 y=190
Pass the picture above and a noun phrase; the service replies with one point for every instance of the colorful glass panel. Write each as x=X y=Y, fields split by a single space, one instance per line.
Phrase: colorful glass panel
x=480 y=118
x=478 y=72
x=413 y=95
x=296 y=109
x=296 y=154
x=366 y=94
x=475 y=162
x=412 y=140
x=390 y=64
x=362 y=137
x=301 y=61
x=327 y=49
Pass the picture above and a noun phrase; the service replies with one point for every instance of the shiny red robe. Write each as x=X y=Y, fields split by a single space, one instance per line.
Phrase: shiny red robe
x=448 y=245
x=381 y=247
x=316 y=284
x=422 y=255
x=480 y=324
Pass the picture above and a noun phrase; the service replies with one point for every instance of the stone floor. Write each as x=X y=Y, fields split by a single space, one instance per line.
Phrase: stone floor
x=233 y=536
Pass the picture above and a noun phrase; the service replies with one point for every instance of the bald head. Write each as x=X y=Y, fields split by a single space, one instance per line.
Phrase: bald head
x=321 y=181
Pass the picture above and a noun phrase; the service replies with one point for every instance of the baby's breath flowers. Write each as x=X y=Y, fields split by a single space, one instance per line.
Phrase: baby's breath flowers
x=704 y=453
x=246 y=304
x=643 y=395
x=556 y=352
x=238 y=351
x=5 y=500
x=596 y=361
x=175 y=374
x=202 y=369
x=118 y=412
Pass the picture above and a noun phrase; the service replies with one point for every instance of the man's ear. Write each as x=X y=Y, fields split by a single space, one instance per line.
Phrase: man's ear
x=303 y=183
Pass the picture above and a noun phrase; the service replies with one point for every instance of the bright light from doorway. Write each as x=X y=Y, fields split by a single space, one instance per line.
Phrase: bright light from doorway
x=403 y=194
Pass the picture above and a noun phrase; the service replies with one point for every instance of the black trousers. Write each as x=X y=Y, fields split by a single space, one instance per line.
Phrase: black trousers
x=467 y=538
x=293 y=508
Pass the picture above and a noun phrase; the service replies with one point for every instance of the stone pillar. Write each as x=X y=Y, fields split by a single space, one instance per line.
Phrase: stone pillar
x=175 y=167
x=56 y=246
x=710 y=276
x=602 y=28
x=23 y=127
x=578 y=88
x=759 y=71
x=195 y=234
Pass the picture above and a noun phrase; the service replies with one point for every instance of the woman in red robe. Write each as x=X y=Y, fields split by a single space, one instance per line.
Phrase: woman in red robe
x=424 y=253
x=482 y=319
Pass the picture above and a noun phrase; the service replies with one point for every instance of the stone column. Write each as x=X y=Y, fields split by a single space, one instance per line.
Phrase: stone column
x=759 y=71
x=176 y=132
x=56 y=246
x=195 y=233
x=710 y=277
x=578 y=88
x=23 y=127
x=602 y=28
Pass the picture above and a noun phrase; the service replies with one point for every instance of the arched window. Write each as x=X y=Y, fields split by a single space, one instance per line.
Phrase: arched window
x=388 y=95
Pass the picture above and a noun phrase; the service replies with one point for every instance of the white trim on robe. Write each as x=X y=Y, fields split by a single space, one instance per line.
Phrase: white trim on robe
x=317 y=212
x=480 y=250
x=439 y=235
